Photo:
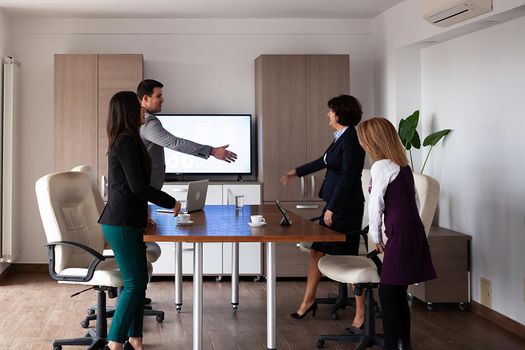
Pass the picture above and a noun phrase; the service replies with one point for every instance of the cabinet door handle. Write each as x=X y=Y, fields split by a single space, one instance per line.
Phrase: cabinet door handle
x=302 y=186
x=103 y=184
x=312 y=185
x=187 y=249
x=307 y=206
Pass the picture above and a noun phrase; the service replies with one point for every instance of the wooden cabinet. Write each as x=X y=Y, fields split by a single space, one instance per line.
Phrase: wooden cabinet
x=291 y=95
x=450 y=252
x=84 y=84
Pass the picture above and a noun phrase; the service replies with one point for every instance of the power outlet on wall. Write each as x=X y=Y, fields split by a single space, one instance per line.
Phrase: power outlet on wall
x=485 y=287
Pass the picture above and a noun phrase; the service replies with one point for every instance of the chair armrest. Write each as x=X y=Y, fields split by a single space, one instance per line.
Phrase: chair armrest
x=97 y=258
x=373 y=255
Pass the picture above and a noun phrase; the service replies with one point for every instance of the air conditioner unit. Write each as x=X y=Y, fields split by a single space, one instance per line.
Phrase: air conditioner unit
x=444 y=13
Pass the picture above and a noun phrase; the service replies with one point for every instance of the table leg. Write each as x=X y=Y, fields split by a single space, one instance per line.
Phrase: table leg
x=270 y=297
x=197 y=296
x=235 y=276
x=178 y=276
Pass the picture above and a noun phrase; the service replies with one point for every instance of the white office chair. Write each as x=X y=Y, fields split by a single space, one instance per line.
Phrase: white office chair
x=152 y=252
x=75 y=245
x=341 y=300
x=363 y=272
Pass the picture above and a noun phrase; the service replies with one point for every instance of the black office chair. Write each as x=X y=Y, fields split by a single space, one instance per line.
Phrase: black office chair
x=363 y=273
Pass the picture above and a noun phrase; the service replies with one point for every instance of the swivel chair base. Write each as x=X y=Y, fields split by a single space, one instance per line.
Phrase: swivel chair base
x=340 y=301
x=110 y=311
x=98 y=339
x=369 y=337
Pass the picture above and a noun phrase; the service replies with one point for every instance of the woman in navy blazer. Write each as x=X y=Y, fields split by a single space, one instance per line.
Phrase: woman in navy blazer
x=342 y=192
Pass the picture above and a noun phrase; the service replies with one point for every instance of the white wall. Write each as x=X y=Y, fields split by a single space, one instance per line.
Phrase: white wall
x=471 y=83
x=475 y=85
x=5 y=50
x=206 y=66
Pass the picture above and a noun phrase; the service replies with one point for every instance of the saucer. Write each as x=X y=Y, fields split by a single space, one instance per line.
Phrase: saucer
x=185 y=223
x=256 y=225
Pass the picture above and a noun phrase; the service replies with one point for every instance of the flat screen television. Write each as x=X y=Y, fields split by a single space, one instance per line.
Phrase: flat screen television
x=215 y=130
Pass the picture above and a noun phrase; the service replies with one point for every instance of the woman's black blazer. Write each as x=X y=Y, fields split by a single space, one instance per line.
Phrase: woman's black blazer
x=344 y=163
x=129 y=187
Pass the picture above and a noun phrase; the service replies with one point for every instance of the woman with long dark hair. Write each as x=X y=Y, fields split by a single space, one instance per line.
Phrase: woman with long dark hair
x=124 y=218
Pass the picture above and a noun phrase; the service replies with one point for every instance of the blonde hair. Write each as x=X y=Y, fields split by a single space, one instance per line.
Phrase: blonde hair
x=379 y=139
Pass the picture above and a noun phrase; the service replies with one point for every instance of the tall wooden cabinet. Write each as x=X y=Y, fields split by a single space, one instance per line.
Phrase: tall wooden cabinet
x=84 y=84
x=291 y=95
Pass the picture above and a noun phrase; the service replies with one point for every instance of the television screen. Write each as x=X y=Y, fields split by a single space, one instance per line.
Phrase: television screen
x=209 y=129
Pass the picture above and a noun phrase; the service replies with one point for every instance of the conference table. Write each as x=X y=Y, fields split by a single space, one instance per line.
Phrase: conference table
x=225 y=223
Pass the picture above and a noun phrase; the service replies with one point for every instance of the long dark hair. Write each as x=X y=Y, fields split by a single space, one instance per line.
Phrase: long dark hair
x=124 y=119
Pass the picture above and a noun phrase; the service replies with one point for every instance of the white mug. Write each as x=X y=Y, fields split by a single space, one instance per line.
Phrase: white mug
x=184 y=218
x=257 y=219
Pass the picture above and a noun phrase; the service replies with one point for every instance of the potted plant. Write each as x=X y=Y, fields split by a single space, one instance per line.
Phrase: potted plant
x=410 y=137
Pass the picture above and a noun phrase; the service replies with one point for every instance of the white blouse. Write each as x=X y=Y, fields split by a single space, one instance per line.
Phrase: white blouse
x=382 y=172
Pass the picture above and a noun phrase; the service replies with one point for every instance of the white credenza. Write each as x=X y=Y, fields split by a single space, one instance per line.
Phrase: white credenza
x=217 y=256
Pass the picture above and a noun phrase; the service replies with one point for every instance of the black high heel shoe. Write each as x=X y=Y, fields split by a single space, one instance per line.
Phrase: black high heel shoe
x=356 y=330
x=128 y=346
x=312 y=308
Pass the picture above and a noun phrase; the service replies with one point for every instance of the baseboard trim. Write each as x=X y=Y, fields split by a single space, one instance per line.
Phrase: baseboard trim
x=501 y=320
x=6 y=272
x=29 y=268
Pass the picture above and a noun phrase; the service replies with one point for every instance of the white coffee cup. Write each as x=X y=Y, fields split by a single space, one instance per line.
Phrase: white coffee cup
x=257 y=219
x=184 y=218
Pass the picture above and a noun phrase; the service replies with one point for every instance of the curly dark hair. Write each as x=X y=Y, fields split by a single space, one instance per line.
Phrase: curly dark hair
x=347 y=109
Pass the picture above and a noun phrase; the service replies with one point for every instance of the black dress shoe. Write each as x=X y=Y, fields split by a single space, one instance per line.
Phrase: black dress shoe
x=147 y=301
x=312 y=308
x=355 y=330
x=128 y=346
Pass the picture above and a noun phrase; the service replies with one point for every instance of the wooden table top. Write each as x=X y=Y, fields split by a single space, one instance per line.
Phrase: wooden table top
x=224 y=223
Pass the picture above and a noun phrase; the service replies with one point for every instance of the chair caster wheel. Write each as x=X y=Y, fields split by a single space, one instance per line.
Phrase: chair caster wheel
x=319 y=343
x=334 y=315
x=410 y=297
x=160 y=318
x=234 y=308
x=84 y=324
x=257 y=278
x=461 y=306
x=430 y=307
x=218 y=279
x=178 y=308
x=57 y=347
x=90 y=312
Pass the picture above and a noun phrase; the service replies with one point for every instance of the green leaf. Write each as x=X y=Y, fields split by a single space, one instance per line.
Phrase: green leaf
x=416 y=141
x=433 y=139
x=407 y=129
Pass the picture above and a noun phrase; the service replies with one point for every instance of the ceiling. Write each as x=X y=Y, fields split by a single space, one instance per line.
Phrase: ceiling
x=195 y=8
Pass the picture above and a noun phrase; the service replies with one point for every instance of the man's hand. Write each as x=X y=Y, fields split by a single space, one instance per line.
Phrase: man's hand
x=328 y=214
x=380 y=247
x=222 y=153
x=176 y=208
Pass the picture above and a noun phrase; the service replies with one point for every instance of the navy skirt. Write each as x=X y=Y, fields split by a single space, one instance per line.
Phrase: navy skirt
x=347 y=221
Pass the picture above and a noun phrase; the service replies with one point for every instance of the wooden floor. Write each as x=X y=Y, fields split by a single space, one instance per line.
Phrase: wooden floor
x=34 y=310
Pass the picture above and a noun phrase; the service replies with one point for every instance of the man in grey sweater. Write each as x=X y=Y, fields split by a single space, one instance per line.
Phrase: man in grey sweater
x=155 y=137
